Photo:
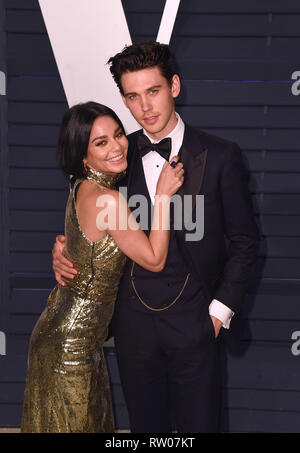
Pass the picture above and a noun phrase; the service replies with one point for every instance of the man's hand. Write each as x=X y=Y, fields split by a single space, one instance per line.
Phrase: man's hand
x=61 y=266
x=217 y=325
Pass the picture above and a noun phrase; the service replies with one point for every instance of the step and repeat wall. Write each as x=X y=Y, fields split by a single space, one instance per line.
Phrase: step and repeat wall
x=240 y=70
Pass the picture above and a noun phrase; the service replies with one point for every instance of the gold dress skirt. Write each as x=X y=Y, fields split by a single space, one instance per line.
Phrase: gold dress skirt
x=67 y=384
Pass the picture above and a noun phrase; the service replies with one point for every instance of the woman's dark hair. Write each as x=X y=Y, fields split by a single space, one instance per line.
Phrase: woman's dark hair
x=142 y=56
x=75 y=133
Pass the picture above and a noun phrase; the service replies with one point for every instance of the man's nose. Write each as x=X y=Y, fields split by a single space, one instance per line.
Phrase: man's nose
x=145 y=104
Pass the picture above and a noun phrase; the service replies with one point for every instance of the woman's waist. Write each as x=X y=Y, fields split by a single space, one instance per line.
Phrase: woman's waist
x=93 y=287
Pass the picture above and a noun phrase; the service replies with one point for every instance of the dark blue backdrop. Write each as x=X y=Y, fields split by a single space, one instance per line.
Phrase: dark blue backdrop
x=236 y=60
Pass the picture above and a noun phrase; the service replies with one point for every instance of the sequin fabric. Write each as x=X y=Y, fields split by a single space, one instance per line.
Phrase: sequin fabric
x=67 y=385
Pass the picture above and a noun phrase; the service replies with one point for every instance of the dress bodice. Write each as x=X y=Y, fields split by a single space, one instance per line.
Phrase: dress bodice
x=100 y=264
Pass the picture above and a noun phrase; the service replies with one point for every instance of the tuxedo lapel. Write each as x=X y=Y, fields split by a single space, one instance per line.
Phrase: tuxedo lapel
x=193 y=155
x=194 y=167
x=134 y=160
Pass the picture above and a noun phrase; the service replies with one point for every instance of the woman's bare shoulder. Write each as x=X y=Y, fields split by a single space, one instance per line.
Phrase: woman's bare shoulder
x=89 y=193
x=90 y=201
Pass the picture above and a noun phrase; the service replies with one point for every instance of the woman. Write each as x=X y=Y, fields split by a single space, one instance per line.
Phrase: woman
x=67 y=385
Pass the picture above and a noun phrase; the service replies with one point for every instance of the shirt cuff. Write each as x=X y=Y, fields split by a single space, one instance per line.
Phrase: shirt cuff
x=221 y=312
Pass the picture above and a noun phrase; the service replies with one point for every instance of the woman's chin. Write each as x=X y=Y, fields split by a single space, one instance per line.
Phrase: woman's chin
x=118 y=168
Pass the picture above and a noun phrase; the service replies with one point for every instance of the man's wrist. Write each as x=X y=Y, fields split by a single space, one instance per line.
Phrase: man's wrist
x=220 y=311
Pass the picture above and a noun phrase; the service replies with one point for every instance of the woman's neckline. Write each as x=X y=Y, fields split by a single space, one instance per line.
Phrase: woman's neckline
x=103 y=179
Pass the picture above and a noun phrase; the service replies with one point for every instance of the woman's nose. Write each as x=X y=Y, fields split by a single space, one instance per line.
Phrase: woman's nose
x=117 y=145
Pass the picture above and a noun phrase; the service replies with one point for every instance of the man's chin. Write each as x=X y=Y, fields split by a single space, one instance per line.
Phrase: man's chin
x=153 y=129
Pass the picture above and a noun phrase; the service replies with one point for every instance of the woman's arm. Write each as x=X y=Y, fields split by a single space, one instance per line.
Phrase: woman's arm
x=107 y=212
x=150 y=253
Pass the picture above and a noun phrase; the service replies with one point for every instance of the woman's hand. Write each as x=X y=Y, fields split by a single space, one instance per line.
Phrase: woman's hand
x=170 y=178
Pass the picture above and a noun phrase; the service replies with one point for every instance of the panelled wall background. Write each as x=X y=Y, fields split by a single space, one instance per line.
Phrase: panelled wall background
x=4 y=230
x=236 y=60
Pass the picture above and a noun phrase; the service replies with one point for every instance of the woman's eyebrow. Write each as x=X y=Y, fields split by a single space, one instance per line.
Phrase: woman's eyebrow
x=105 y=136
x=96 y=138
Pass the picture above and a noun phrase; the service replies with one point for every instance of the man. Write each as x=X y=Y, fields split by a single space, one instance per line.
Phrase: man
x=166 y=325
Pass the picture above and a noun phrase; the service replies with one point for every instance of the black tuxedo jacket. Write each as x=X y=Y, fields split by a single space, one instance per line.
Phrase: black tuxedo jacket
x=224 y=257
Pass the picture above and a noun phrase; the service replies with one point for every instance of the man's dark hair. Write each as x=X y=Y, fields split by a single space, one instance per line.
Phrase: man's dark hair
x=142 y=56
x=75 y=134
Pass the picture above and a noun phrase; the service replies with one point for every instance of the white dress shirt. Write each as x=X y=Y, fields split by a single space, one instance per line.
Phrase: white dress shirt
x=152 y=164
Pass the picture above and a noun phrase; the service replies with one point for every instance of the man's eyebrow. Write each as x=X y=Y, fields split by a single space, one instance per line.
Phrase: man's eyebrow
x=105 y=136
x=129 y=94
x=152 y=88
x=148 y=89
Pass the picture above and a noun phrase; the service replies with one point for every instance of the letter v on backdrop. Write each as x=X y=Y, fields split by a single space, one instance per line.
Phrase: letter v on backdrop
x=83 y=36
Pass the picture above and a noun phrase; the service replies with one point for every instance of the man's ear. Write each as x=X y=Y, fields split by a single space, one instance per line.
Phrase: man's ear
x=176 y=85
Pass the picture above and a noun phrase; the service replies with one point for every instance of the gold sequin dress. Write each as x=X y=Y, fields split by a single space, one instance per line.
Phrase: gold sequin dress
x=67 y=384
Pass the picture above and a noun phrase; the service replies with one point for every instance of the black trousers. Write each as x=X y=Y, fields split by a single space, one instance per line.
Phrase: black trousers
x=170 y=368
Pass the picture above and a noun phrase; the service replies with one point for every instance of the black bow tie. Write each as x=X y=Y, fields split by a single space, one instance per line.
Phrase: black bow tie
x=163 y=147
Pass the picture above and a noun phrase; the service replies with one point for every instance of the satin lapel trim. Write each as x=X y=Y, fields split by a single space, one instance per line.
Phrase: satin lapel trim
x=137 y=170
x=194 y=168
x=133 y=165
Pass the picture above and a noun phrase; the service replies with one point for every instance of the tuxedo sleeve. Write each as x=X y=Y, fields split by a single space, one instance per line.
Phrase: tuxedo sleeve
x=240 y=230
